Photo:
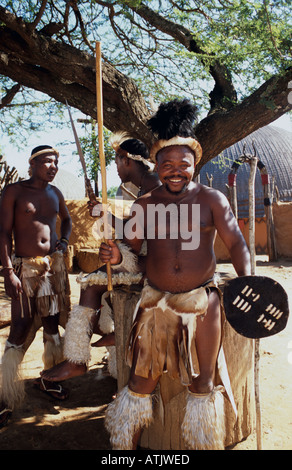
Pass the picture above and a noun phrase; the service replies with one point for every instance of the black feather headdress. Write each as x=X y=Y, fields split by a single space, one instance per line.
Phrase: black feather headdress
x=173 y=124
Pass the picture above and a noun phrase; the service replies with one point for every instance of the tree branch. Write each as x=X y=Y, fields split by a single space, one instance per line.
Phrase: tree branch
x=6 y=100
x=80 y=20
x=39 y=15
x=66 y=73
x=221 y=130
x=224 y=94
x=270 y=29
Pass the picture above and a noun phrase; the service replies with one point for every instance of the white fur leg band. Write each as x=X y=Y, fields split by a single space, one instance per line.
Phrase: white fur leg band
x=127 y=414
x=203 y=427
x=53 y=350
x=11 y=384
x=78 y=334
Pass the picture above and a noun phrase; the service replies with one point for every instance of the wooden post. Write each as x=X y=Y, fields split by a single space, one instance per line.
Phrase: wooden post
x=251 y=192
x=232 y=187
x=268 y=201
x=251 y=199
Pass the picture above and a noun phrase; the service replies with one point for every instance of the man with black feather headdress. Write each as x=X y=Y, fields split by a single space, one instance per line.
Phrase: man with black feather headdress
x=180 y=287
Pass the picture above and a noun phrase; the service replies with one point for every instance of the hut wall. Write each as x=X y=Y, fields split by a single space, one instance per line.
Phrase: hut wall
x=282 y=212
x=82 y=225
x=221 y=251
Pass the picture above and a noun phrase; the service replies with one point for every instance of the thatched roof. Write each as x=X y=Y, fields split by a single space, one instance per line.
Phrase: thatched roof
x=273 y=148
x=70 y=185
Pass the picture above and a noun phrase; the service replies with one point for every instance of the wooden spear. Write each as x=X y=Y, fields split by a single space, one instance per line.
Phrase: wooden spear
x=99 y=102
x=253 y=168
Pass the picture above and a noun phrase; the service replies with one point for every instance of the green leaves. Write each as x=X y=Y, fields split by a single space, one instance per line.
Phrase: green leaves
x=182 y=48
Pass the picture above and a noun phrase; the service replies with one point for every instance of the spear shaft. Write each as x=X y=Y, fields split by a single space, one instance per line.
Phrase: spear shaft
x=99 y=103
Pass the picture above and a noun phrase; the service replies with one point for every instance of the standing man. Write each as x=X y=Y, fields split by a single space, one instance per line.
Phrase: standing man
x=34 y=271
x=178 y=321
x=132 y=160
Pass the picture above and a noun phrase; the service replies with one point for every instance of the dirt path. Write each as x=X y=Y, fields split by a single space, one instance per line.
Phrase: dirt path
x=77 y=423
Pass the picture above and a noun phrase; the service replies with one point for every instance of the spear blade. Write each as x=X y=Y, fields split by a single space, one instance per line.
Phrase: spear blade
x=88 y=187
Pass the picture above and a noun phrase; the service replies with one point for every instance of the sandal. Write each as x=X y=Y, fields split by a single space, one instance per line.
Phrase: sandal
x=4 y=416
x=59 y=392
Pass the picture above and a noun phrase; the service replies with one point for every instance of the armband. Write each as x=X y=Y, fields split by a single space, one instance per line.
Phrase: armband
x=129 y=260
x=9 y=268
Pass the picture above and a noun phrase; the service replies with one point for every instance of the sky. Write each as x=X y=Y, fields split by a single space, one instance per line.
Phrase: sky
x=69 y=160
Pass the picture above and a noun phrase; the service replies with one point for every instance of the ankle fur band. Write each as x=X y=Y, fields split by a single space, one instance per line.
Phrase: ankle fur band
x=126 y=415
x=11 y=384
x=53 y=350
x=203 y=427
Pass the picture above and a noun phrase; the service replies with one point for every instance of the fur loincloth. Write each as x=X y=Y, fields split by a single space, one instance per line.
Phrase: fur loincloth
x=164 y=331
x=45 y=279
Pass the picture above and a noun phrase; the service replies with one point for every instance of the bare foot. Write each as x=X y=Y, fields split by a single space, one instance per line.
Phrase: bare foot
x=106 y=340
x=63 y=371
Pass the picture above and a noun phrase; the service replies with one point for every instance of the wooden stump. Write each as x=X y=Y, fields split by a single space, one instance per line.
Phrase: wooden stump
x=124 y=302
x=165 y=431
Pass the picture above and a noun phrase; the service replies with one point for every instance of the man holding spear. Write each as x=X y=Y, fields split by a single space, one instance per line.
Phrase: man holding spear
x=177 y=326
x=86 y=318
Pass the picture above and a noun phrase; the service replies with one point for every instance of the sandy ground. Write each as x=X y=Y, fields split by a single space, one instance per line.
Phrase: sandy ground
x=43 y=423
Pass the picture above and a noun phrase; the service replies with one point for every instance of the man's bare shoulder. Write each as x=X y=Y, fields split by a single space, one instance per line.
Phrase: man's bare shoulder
x=212 y=195
x=14 y=189
x=56 y=191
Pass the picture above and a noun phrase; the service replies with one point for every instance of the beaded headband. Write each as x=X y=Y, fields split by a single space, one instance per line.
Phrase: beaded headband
x=49 y=151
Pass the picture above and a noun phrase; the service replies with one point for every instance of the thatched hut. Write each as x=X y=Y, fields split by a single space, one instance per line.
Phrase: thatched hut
x=273 y=147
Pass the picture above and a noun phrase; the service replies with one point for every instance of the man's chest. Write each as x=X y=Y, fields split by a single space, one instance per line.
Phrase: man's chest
x=37 y=206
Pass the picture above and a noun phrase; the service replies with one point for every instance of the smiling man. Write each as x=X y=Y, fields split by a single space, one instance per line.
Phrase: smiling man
x=34 y=271
x=178 y=323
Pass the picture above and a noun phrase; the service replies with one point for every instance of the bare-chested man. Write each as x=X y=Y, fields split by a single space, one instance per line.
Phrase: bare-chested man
x=34 y=271
x=179 y=288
